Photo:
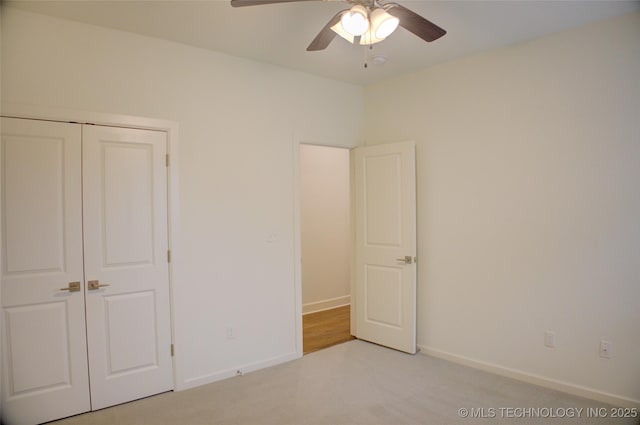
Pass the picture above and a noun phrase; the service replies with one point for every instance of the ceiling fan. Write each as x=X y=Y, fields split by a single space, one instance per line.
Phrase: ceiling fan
x=366 y=22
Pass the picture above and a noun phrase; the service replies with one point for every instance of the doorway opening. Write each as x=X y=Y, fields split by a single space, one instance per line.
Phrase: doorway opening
x=325 y=228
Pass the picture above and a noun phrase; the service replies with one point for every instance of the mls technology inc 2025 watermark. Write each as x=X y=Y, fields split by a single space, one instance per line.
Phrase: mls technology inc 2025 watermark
x=547 y=412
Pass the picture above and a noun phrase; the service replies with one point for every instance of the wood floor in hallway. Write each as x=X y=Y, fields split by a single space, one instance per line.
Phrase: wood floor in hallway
x=326 y=328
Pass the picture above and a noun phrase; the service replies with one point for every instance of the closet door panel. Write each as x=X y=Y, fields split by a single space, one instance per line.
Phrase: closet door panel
x=44 y=352
x=126 y=242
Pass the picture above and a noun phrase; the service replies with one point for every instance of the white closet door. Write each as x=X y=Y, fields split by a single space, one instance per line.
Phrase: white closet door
x=125 y=235
x=44 y=354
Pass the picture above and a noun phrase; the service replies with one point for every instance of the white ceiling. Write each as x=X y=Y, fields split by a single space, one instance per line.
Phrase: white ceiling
x=280 y=33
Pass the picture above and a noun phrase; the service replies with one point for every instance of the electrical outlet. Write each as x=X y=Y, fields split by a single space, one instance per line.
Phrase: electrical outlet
x=605 y=349
x=550 y=339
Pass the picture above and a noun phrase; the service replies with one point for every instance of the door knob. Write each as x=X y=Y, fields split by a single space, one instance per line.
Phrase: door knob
x=73 y=287
x=406 y=260
x=95 y=284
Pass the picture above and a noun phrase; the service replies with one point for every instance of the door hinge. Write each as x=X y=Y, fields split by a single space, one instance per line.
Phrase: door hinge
x=172 y=350
x=167 y=160
x=168 y=255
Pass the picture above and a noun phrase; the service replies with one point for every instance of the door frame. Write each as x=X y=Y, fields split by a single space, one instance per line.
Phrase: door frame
x=45 y=113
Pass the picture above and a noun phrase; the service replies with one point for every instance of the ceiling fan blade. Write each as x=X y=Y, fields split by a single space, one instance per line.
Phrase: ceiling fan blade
x=411 y=21
x=241 y=3
x=325 y=36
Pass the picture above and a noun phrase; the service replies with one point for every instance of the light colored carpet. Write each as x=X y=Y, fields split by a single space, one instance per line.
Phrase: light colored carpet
x=355 y=383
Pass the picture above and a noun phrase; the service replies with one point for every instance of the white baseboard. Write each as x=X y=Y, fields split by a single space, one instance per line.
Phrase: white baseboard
x=531 y=378
x=235 y=371
x=317 y=306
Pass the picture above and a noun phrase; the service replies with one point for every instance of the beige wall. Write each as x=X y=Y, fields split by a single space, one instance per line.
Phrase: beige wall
x=325 y=227
x=528 y=204
x=238 y=123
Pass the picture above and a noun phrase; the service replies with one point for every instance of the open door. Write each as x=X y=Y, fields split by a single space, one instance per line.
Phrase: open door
x=385 y=245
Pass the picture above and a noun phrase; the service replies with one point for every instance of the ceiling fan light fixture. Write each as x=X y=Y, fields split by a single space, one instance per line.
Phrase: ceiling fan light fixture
x=337 y=28
x=383 y=24
x=369 y=37
x=356 y=20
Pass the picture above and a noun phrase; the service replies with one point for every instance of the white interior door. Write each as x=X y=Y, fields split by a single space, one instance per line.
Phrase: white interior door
x=44 y=353
x=385 y=216
x=126 y=243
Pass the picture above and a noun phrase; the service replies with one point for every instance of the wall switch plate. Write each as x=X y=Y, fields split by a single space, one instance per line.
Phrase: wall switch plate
x=605 y=349
x=550 y=339
x=230 y=333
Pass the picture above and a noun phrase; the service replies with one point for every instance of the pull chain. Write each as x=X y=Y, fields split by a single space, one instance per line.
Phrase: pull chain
x=366 y=65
